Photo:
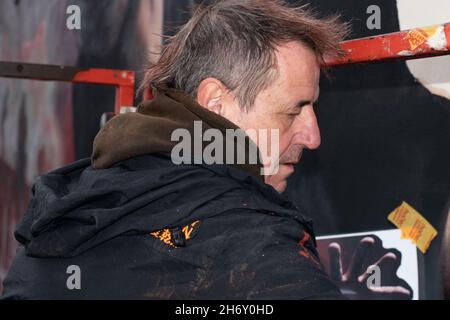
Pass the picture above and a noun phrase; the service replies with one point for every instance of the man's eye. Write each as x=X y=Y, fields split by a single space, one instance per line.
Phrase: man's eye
x=292 y=115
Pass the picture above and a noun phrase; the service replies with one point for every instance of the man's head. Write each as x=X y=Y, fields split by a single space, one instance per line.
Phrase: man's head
x=256 y=63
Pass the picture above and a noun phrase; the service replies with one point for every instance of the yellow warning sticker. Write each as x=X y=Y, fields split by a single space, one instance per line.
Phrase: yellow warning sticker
x=416 y=37
x=413 y=226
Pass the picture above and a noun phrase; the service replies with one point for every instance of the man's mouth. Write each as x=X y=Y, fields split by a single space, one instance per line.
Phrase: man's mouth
x=289 y=164
x=293 y=162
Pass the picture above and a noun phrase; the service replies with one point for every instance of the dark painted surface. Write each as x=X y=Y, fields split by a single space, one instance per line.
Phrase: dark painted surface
x=44 y=125
x=385 y=139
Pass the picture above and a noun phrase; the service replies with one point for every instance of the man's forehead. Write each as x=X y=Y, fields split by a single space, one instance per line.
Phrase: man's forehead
x=298 y=68
x=297 y=89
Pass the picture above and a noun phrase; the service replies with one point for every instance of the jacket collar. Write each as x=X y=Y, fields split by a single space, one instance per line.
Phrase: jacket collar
x=149 y=130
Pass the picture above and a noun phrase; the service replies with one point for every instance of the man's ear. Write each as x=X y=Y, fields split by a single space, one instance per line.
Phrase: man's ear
x=210 y=93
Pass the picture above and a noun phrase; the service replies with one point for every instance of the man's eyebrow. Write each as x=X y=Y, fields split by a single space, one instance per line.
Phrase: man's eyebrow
x=303 y=103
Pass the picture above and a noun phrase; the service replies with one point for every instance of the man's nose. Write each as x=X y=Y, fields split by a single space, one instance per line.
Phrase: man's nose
x=308 y=132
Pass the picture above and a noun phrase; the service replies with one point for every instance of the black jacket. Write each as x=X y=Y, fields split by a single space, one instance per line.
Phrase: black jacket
x=145 y=228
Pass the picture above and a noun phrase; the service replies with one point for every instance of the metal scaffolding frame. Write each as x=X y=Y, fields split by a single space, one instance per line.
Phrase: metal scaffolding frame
x=404 y=45
x=122 y=80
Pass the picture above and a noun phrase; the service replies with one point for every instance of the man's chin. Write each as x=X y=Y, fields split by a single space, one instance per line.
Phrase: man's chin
x=288 y=168
x=279 y=180
x=282 y=170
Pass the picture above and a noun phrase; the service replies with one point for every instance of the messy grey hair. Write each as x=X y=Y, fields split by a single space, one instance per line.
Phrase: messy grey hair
x=235 y=41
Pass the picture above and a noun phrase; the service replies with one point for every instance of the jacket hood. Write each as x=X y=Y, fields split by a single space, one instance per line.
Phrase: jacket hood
x=150 y=128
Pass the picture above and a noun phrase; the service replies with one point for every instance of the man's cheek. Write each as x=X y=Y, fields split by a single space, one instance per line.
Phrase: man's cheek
x=284 y=145
x=269 y=148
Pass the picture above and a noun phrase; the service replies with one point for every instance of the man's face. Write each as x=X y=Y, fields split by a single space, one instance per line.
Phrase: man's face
x=286 y=105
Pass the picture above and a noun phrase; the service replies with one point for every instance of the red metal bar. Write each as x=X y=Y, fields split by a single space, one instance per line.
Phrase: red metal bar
x=410 y=44
x=123 y=80
x=105 y=76
x=124 y=98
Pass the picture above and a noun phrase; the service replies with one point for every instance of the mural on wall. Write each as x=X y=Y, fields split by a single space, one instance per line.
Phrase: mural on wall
x=44 y=125
x=35 y=117
x=384 y=126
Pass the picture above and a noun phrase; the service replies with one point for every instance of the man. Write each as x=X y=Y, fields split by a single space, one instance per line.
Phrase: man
x=132 y=223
